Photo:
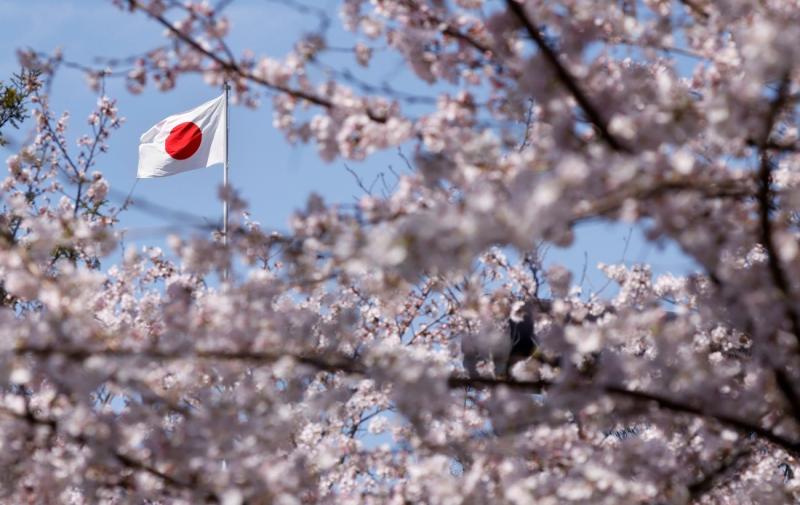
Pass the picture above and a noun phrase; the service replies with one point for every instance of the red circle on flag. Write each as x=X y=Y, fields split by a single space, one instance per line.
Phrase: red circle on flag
x=184 y=140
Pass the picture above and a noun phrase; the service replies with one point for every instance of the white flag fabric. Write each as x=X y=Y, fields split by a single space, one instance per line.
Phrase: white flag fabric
x=186 y=141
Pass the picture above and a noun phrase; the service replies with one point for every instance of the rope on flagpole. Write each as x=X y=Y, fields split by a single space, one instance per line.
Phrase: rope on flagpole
x=225 y=179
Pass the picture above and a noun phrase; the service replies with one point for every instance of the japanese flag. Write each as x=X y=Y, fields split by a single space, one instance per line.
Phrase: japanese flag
x=186 y=141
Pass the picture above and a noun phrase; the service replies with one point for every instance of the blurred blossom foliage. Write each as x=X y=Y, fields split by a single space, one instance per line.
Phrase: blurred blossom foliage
x=412 y=347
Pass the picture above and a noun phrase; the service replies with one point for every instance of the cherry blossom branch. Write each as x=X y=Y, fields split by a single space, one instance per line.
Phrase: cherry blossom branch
x=777 y=273
x=765 y=197
x=99 y=131
x=384 y=87
x=337 y=364
x=663 y=402
x=567 y=79
x=428 y=326
x=732 y=188
x=232 y=67
x=710 y=480
x=129 y=462
x=49 y=129
x=658 y=47
x=323 y=18
x=423 y=296
x=476 y=382
x=86 y=69
x=447 y=29
x=667 y=403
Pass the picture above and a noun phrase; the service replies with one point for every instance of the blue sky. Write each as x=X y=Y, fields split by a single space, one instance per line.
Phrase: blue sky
x=273 y=176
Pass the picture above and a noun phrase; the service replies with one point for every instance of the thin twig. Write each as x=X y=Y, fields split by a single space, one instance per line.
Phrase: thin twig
x=231 y=66
x=567 y=79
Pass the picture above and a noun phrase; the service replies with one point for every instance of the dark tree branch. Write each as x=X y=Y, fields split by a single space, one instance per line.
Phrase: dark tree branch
x=232 y=67
x=567 y=79
x=126 y=461
x=733 y=188
x=348 y=365
x=776 y=270
x=710 y=480
x=765 y=197
x=695 y=9
x=449 y=30
x=663 y=402
x=742 y=425
x=328 y=364
x=477 y=382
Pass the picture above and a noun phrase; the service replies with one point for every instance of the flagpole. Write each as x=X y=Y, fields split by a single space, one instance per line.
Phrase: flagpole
x=225 y=178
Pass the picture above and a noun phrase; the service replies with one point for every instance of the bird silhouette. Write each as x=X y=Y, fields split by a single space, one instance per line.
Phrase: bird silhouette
x=523 y=338
x=504 y=345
